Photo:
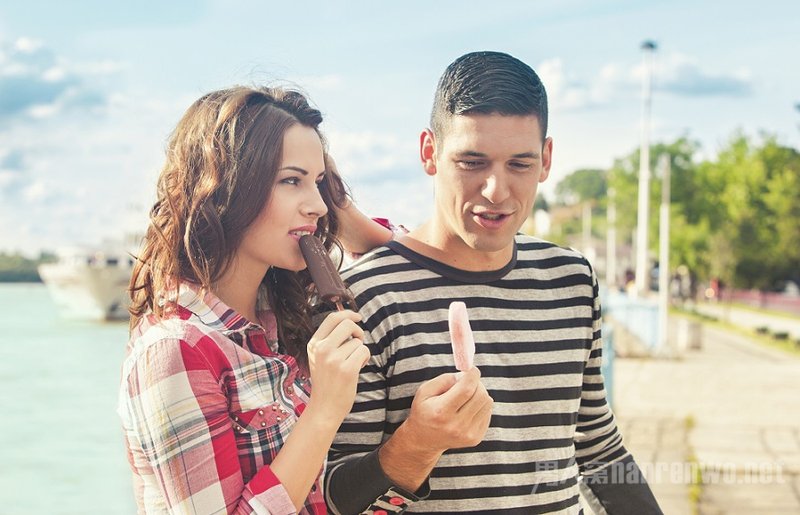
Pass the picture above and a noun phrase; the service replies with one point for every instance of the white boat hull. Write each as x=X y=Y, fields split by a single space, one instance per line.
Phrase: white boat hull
x=85 y=292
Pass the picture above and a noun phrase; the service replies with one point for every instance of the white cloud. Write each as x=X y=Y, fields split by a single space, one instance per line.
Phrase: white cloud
x=54 y=74
x=566 y=92
x=27 y=45
x=77 y=178
x=35 y=192
x=35 y=82
x=687 y=76
x=673 y=73
x=366 y=155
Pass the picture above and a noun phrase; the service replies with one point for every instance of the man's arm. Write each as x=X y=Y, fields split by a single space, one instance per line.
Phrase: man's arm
x=607 y=467
x=449 y=411
x=622 y=489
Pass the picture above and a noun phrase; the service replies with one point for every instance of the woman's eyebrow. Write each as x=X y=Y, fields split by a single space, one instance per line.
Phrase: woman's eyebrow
x=294 y=168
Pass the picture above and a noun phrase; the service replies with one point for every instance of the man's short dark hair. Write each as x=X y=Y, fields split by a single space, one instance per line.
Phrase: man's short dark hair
x=488 y=83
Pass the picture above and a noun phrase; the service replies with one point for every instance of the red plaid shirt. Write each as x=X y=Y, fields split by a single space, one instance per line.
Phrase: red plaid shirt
x=206 y=402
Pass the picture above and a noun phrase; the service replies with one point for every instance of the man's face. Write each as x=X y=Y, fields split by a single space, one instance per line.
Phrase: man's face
x=486 y=170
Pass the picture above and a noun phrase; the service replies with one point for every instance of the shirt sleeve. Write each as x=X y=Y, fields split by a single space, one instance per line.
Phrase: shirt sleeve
x=607 y=467
x=355 y=481
x=176 y=410
x=597 y=440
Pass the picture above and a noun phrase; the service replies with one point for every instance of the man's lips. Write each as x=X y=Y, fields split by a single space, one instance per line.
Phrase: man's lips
x=491 y=215
x=490 y=219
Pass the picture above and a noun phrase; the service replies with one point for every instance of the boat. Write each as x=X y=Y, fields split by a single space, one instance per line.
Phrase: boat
x=89 y=283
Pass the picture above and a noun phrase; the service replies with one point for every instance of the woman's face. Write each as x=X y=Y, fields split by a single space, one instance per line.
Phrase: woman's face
x=293 y=208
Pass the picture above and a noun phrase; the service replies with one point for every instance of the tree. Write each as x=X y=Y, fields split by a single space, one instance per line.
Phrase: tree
x=582 y=185
x=736 y=217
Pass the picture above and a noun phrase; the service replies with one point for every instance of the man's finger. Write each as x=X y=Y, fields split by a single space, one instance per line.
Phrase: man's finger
x=436 y=386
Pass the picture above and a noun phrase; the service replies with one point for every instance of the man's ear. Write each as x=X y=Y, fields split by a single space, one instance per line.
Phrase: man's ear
x=427 y=151
x=547 y=159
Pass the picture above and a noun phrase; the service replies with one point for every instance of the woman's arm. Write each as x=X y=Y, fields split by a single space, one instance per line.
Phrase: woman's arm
x=357 y=232
x=335 y=355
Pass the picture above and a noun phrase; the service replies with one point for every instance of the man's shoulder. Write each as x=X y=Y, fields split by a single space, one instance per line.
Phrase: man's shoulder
x=378 y=261
x=530 y=247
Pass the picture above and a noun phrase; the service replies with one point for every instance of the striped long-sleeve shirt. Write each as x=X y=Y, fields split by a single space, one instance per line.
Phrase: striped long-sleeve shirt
x=536 y=324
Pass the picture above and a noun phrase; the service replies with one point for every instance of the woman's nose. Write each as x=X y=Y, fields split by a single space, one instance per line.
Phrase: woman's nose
x=314 y=205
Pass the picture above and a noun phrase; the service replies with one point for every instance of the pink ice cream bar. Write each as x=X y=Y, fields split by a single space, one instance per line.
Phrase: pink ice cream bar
x=461 y=336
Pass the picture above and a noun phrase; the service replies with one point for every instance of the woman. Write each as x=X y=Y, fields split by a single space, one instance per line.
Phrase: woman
x=214 y=396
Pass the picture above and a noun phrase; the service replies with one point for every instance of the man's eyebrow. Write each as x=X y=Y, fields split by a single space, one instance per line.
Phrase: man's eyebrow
x=523 y=155
x=471 y=153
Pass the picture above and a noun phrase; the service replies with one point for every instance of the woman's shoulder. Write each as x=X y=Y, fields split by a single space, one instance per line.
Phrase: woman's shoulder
x=169 y=342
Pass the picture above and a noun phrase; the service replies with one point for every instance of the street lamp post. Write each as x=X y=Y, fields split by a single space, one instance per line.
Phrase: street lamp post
x=611 y=240
x=643 y=215
x=663 y=252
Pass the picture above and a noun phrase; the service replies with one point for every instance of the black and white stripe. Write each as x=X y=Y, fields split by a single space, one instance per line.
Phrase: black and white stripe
x=536 y=324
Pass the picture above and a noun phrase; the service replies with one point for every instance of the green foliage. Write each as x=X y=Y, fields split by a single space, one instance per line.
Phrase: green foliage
x=581 y=185
x=736 y=217
x=15 y=268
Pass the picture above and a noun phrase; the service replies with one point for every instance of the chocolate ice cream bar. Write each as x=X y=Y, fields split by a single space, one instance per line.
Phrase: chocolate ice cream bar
x=330 y=287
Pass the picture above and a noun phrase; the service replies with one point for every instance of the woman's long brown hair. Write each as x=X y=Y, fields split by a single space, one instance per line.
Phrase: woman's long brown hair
x=221 y=164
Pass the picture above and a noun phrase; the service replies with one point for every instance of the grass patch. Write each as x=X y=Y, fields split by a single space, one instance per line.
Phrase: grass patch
x=764 y=311
x=689 y=422
x=696 y=484
x=760 y=335
x=696 y=481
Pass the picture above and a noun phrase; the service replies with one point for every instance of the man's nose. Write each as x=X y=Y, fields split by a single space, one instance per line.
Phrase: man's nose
x=495 y=189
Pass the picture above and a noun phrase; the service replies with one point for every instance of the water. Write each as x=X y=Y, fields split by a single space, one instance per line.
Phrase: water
x=61 y=446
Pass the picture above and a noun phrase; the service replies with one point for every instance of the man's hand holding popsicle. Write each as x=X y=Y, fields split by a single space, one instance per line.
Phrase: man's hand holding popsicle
x=451 y=411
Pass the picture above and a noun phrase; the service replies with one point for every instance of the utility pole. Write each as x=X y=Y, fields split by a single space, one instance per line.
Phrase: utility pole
x=643 y=214
x=663 y=251
x=611 y=240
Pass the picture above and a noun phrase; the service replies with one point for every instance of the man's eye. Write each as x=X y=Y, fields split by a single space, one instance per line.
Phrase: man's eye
x=521 y=166
x=470 y=165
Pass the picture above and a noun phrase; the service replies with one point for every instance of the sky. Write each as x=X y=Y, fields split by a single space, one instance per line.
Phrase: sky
x=89 y=91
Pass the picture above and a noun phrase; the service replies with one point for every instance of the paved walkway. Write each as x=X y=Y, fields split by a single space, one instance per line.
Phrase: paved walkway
x=730 y=410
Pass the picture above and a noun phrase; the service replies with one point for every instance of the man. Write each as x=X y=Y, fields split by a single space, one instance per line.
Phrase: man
x=513 y=433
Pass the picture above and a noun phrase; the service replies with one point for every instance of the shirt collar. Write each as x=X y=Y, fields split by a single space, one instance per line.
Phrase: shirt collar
x=210 y=309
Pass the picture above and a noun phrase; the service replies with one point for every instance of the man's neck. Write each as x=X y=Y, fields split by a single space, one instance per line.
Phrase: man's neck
x=453 y=251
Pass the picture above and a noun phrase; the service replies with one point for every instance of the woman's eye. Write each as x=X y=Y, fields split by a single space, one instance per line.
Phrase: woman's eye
x=294 y=181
